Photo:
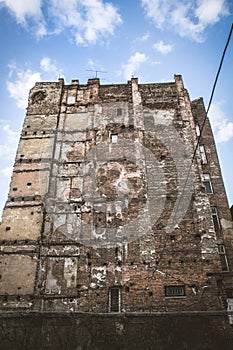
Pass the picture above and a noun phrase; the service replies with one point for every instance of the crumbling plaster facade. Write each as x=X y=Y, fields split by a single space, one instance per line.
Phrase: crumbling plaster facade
x=99 y=173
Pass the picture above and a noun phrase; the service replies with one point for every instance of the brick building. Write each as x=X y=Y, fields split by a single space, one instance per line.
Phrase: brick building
x=108 y=211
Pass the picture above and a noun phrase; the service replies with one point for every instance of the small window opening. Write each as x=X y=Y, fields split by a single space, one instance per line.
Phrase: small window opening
x=8 y=228
x=14 y=188
x=198 y=130
x=114 y=138
x=114 y=299
x=203 y=155
x=29 y=184
x=174 y=291
x=119 y=111
x=223 y=258
x=215 y=218
x=207 y=183
x=34 y=133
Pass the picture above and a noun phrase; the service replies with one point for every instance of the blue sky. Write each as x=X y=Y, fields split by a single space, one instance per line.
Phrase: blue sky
x=149 y=39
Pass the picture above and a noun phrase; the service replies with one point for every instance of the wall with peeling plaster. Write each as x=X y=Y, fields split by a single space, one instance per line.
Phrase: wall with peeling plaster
x=85 y=214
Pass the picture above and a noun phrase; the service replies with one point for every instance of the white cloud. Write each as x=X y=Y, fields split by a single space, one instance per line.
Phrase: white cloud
x=222 y=127
x=144 y=37
x=48 y=66
x=9 y=141
x=209 y=11
x=187 y=18
x=163 y=48
x=22 y=80
x=133 y=64
x=86 y=20
x=24 y=8
x=20 y=84
x=7 y=171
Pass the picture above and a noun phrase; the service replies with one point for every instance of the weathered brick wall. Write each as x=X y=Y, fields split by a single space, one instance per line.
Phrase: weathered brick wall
x=96 y=201
x=103 y=332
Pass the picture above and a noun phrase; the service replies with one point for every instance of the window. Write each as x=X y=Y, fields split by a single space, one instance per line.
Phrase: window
x=223 y=258
x=203 y=155
x=215 y=219
x=114 y=299
x=175 y=291
x=119 y=111
x=207 y=184
x=197 y=130
x=114 y=138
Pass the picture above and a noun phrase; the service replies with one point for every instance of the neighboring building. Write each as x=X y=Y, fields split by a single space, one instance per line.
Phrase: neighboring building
x=107 y=212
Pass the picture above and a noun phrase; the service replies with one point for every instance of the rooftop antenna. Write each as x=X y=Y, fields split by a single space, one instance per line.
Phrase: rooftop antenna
x=96 y=72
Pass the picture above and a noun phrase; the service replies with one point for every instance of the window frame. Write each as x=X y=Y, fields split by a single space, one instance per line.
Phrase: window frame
x=223 y=257
x=111 y=307
x=203 y=154
x=173 y=291
x=207 y=182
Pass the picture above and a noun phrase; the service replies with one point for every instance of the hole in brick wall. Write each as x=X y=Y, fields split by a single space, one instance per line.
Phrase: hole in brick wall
x=131 y=263
x=172 y=238
x=8 y=228
x=15 y=242
x=22 y=199
x=14 y=188
x=127 y=289
x=150 y=294
x=91 y=96
x=28 y=126
x=181 y=261
x=25 y=133
x=198 y=237
x=157 y=262
x=29 y=160
x=43 y=132
x=21 y=155
x=29 y=184
x=162 y=157
x=169 y=262
x=12 y=199
x=19 y=288
x=0 y=277
x=32 y=213
x=34 y=133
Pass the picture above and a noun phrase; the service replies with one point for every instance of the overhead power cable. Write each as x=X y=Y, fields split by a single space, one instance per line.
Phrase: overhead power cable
x=206 y=116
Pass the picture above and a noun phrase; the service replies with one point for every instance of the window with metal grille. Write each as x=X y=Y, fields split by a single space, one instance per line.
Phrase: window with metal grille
x=223 y=257
x=114 y=299
x=203 y=155
x=215 y=218
x=174 y=291
x=207 y=183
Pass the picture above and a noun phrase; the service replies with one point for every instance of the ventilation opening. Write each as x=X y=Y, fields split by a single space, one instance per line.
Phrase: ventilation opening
x=175 y=291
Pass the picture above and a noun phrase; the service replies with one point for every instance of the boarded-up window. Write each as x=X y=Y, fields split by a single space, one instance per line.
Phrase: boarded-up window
x=114 y=299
